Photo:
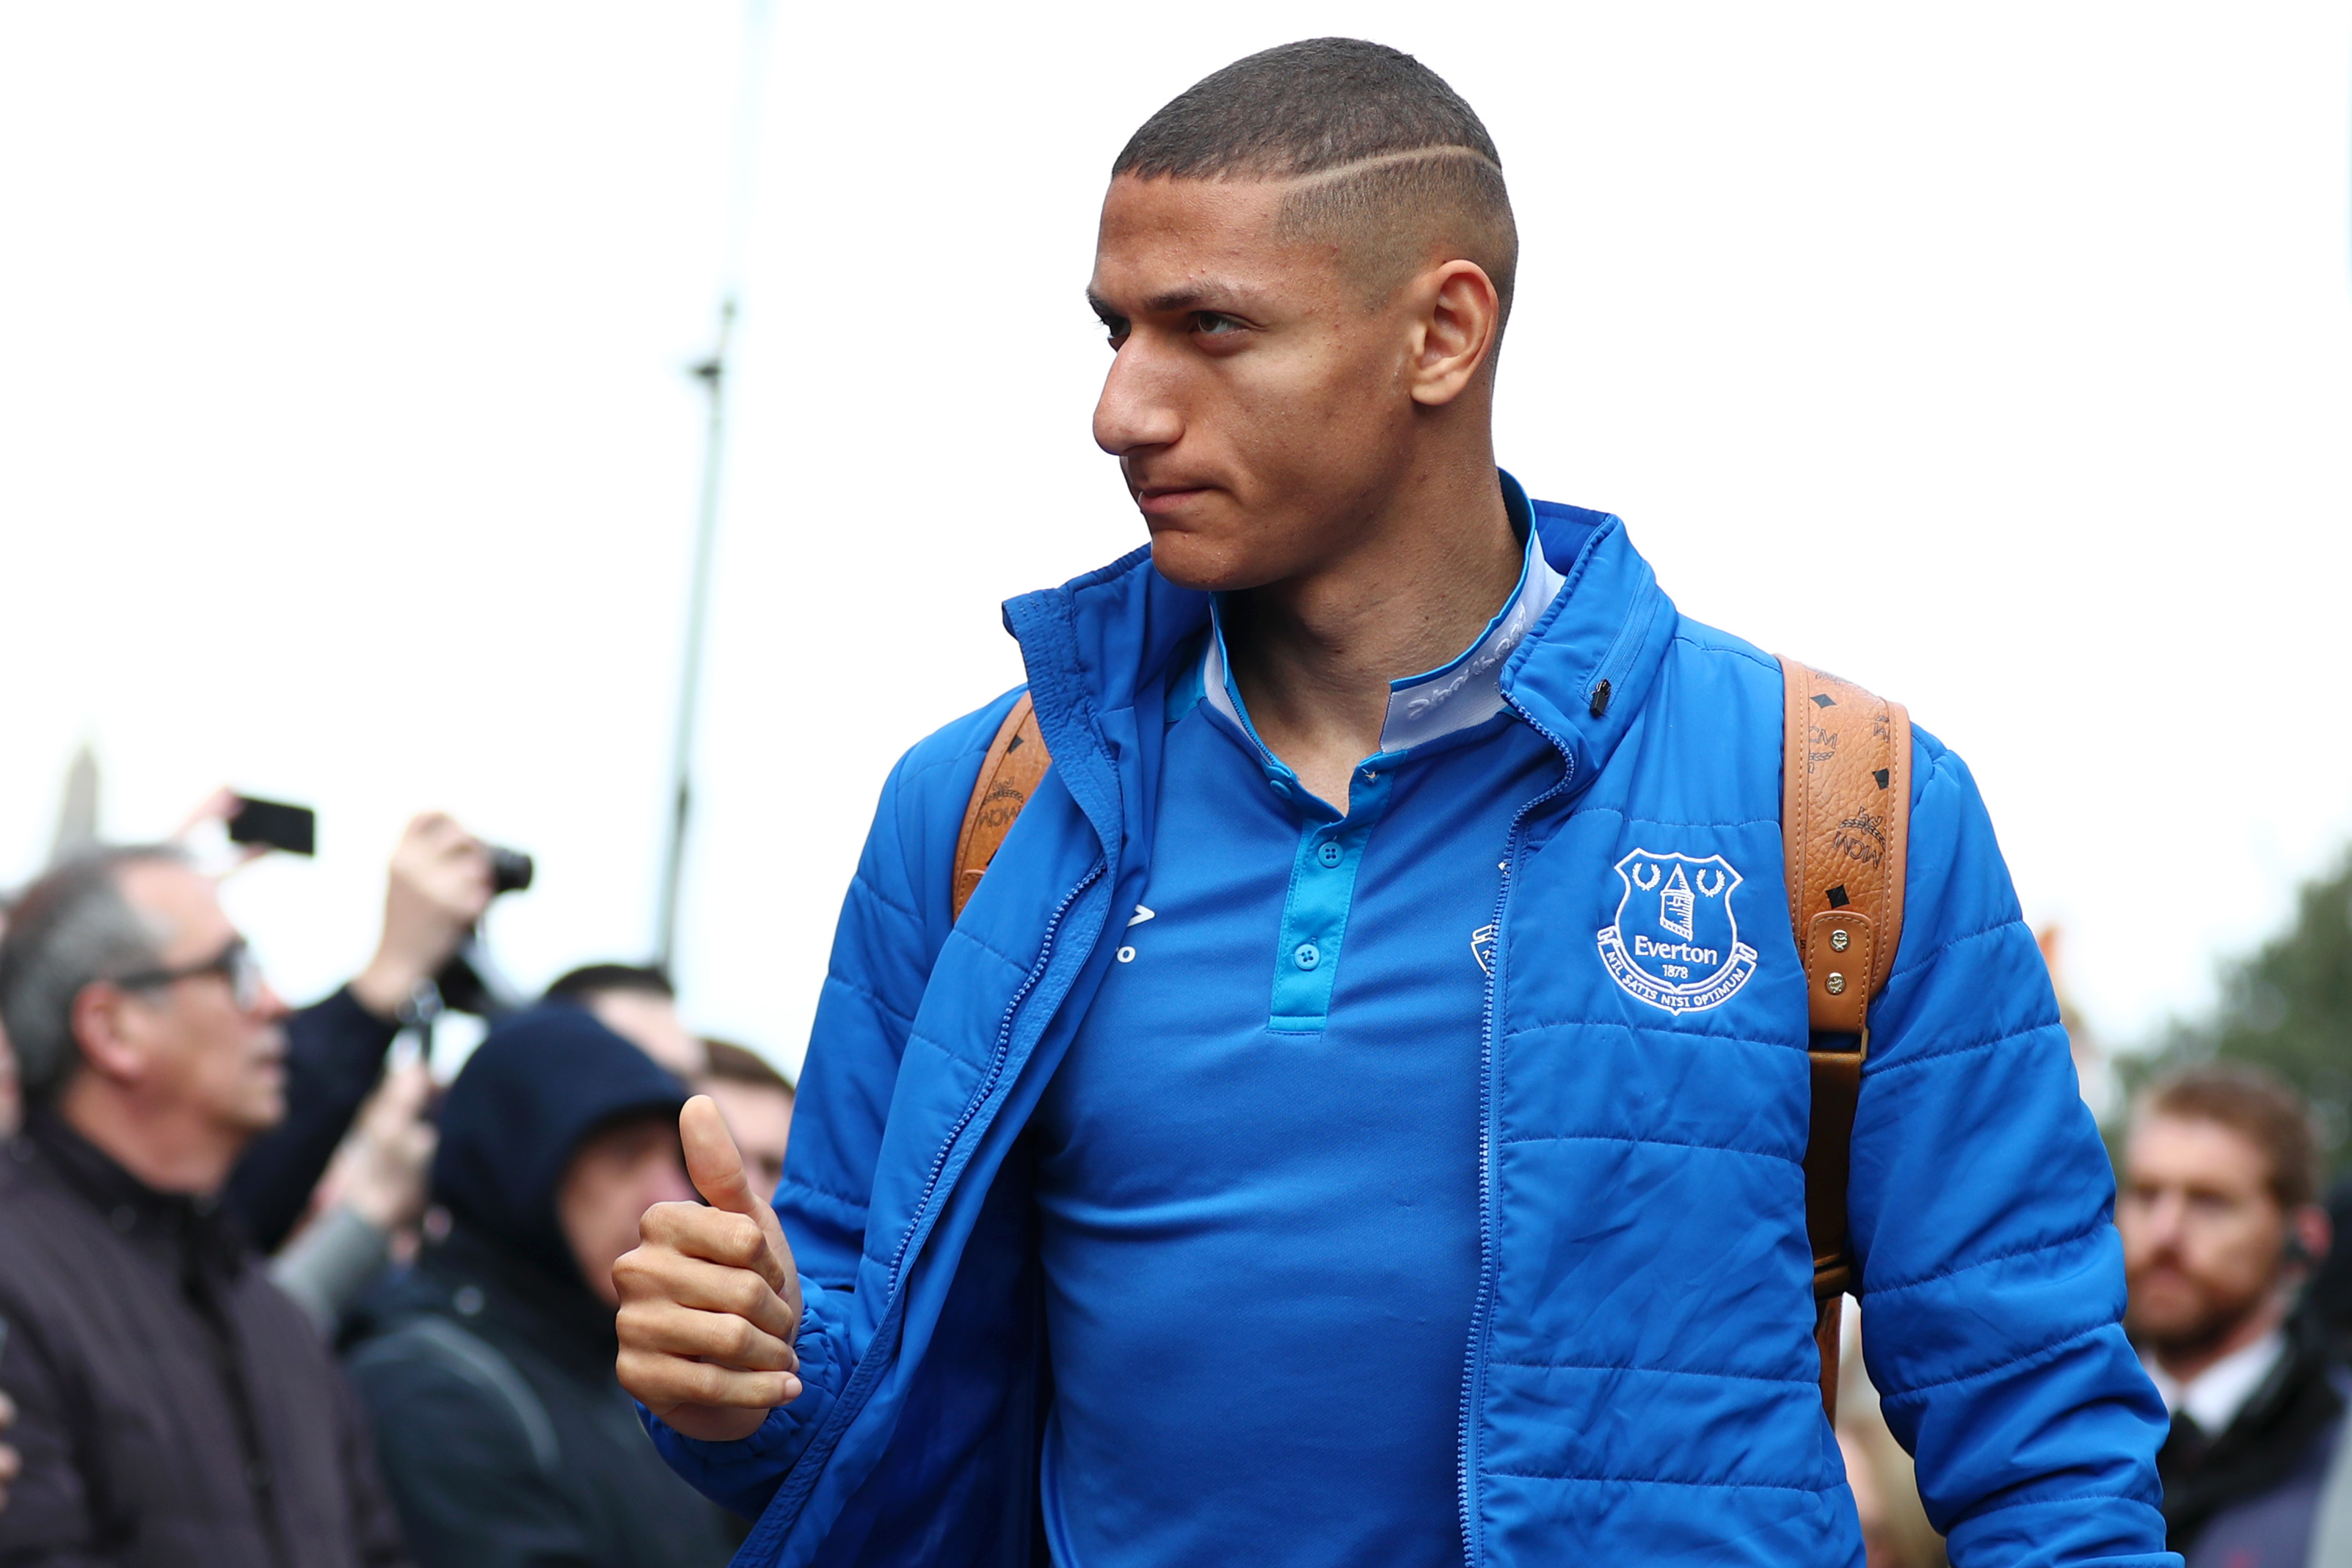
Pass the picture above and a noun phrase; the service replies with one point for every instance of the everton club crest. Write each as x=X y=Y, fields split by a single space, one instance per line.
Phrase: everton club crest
x=1675 y=944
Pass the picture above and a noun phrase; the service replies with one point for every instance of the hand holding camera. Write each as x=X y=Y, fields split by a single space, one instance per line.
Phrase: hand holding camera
x=442 y=880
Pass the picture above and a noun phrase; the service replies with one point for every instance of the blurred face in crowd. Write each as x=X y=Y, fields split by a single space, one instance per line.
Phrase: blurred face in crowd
x=760 y=1118
x=614 y=1177
x=2205 y=1242
x=649 y=1021
x=189 y=1058
x=12 y=1099
x=1261 y=402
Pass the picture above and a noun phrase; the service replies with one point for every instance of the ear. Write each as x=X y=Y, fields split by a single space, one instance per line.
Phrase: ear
x=105 y=1026
x=2310 y=1234
x=1453 y=335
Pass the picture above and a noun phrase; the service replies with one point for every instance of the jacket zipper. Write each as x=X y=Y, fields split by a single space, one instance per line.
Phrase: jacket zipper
x=996 y=1060
x=771 y=1525
x=1474 y=1365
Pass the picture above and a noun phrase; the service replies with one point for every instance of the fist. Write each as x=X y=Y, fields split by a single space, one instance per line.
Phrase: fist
x=438 y=885
x=710 y=1303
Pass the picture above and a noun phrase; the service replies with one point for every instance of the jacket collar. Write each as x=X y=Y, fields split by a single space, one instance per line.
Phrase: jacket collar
x=196 y=1230
x=1102 y=648
x=1584 y=674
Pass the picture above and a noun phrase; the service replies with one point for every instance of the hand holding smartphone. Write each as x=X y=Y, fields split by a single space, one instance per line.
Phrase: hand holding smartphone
x=273 y=825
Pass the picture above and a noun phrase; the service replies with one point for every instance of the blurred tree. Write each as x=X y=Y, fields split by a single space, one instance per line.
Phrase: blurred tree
x=2287 y=1005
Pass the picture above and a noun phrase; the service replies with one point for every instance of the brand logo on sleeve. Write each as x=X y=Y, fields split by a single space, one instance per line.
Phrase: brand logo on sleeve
x=1675 y=943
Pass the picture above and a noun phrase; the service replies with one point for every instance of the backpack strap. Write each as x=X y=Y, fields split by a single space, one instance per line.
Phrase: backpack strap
x=1846 y=818
x=1016 y=760
x=477 y=1362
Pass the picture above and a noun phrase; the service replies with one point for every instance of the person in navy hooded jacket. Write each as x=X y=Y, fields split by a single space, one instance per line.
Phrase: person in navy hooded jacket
x=1265 y=1167
x=486 y=1370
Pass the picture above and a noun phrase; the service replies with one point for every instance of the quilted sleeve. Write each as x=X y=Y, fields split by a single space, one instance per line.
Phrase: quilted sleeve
x=741 y=1476
x=893 y=919
x=1982 y=1210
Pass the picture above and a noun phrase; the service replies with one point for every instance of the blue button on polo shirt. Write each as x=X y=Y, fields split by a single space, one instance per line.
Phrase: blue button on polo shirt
x=1257 y=1165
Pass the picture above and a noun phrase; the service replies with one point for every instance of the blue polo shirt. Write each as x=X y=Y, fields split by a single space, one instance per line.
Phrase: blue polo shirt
x=1258 y=1164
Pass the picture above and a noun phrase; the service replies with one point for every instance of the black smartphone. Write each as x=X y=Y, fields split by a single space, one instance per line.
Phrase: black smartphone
x=294 y=828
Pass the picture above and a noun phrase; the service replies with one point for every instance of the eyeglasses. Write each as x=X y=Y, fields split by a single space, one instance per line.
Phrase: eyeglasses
x=235 y=963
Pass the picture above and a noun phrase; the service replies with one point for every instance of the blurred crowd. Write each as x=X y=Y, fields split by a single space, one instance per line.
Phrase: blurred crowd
x=271 y=1293
x=2242 y=1311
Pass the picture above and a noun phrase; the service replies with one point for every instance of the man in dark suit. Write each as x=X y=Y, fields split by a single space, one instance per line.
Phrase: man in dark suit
x=2222 y=1226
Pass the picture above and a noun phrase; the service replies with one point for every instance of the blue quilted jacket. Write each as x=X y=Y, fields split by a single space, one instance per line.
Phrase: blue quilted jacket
x=1639 y=1383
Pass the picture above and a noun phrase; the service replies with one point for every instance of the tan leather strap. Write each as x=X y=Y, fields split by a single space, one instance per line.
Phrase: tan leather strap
x=1016 y=759
x=1829 y=1338
x=1845 y=818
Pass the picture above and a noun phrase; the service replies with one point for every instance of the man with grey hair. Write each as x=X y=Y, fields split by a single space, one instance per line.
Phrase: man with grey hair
x=174 y=1408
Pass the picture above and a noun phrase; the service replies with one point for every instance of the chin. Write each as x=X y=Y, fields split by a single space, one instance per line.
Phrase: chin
x=1190 y=561
x=264 y=1112
x=2175 y=1321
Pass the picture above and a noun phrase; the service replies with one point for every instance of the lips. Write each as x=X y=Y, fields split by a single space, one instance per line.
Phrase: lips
x=1159 y=500
x=270 y=1052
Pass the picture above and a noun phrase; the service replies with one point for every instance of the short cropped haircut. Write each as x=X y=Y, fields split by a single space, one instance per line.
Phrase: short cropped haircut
x=734 y=1064
x=1389 y=161
x=2257 y=1105
x=70 y=930
x=590 y=981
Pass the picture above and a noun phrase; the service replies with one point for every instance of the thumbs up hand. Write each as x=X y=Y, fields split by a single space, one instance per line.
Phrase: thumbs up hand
x=710 y=1303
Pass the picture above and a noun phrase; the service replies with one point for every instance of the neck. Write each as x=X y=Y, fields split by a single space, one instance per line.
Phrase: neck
x=2187 y=1362
x=1313 y=654
x=164 y=1146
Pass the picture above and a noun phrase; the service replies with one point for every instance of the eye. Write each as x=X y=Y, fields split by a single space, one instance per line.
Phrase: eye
x=1115 y=328
x=1212 y=324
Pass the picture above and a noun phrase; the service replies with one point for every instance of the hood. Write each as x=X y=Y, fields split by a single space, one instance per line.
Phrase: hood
x=539 y=1084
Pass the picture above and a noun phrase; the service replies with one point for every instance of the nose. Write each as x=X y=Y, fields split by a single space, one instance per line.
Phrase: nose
x=269 y=1006
x=2161 y=1222
x=1135 y=411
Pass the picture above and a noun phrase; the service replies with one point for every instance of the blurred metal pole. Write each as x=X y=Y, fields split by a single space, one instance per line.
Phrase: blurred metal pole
x=751 y=97
x=712 y=373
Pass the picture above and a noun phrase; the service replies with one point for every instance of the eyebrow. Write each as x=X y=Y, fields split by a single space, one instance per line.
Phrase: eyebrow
x=1208 y=294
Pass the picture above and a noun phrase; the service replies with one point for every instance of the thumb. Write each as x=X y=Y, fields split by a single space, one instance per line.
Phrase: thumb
x=713 y=1163
x=715 y=1167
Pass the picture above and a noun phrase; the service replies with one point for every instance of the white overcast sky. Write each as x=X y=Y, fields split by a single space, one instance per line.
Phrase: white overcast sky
x=1999 y=356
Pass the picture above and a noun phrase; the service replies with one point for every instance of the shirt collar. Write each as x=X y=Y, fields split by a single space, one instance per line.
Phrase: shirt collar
x=1466 y=691
x=2214 y=1396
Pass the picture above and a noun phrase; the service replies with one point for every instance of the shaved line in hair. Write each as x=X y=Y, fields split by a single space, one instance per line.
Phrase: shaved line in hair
x=1389 y=215
x=1392 y=215
x=1377 y=161
x=1384 y=163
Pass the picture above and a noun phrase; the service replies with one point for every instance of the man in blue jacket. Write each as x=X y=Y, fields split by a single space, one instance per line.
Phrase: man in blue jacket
x=1269 y=1165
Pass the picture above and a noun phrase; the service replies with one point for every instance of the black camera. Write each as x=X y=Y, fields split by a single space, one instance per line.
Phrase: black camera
x=509 y=869
x=469 y=982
